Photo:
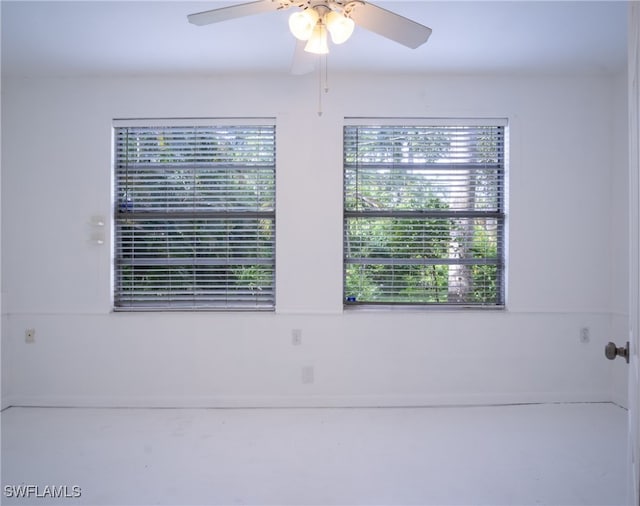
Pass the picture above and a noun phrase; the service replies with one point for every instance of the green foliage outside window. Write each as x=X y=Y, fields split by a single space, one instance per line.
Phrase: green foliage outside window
x=423 y=215
x=195 y=217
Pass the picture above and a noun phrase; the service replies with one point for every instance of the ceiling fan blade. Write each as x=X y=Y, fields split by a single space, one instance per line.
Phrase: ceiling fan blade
x=232 y=12
x=389 y=24
x=303 y=62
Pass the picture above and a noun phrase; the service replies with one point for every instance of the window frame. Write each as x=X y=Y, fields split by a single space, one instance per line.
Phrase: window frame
x=500 y=214
x=198 y=218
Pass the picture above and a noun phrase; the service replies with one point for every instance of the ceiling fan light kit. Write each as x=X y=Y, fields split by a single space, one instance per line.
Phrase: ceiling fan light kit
x=313 y=23
x=340 y=27
x=317 y=17
x=317 y=43
x=302 y=23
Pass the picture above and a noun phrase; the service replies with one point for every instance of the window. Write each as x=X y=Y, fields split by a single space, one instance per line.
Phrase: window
x=424 y=213
x=194 y=216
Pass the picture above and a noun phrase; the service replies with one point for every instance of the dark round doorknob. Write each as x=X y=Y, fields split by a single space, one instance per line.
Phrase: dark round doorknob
x=611 y=351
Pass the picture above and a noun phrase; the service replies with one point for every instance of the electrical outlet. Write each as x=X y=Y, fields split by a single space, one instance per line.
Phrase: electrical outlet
x=30 y=336
x=307 y=375
x=296 y=337
x=585 y=335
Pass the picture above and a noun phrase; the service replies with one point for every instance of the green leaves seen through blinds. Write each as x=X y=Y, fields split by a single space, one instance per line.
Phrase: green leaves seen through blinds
x=424 y=215
x=195 y=217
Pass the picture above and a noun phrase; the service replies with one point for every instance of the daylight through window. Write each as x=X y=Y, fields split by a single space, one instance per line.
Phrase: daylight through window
x=194 y=216
x=424 y=213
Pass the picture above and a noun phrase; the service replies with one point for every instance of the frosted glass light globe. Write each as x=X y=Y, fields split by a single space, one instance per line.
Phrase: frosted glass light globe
x=302 y=23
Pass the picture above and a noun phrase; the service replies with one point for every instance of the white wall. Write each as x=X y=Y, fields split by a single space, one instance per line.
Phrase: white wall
x=566 y=251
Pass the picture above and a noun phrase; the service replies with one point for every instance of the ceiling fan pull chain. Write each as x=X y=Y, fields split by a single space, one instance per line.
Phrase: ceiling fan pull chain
x=323 y=80
x=326 y=73
x=319 y=85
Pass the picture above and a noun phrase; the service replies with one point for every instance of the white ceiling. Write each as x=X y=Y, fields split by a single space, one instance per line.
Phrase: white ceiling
x=148 y=37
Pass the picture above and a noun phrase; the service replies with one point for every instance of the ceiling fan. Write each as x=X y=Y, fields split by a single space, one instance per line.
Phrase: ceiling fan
x=318 y=18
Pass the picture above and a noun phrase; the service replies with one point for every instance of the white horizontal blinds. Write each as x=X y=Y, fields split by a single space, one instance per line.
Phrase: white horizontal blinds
x=194 y=217
x=424 y=214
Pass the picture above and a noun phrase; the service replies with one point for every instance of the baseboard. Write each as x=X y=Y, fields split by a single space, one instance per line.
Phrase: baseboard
x=310 y=401
x=620 y=400
x=7 y=402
